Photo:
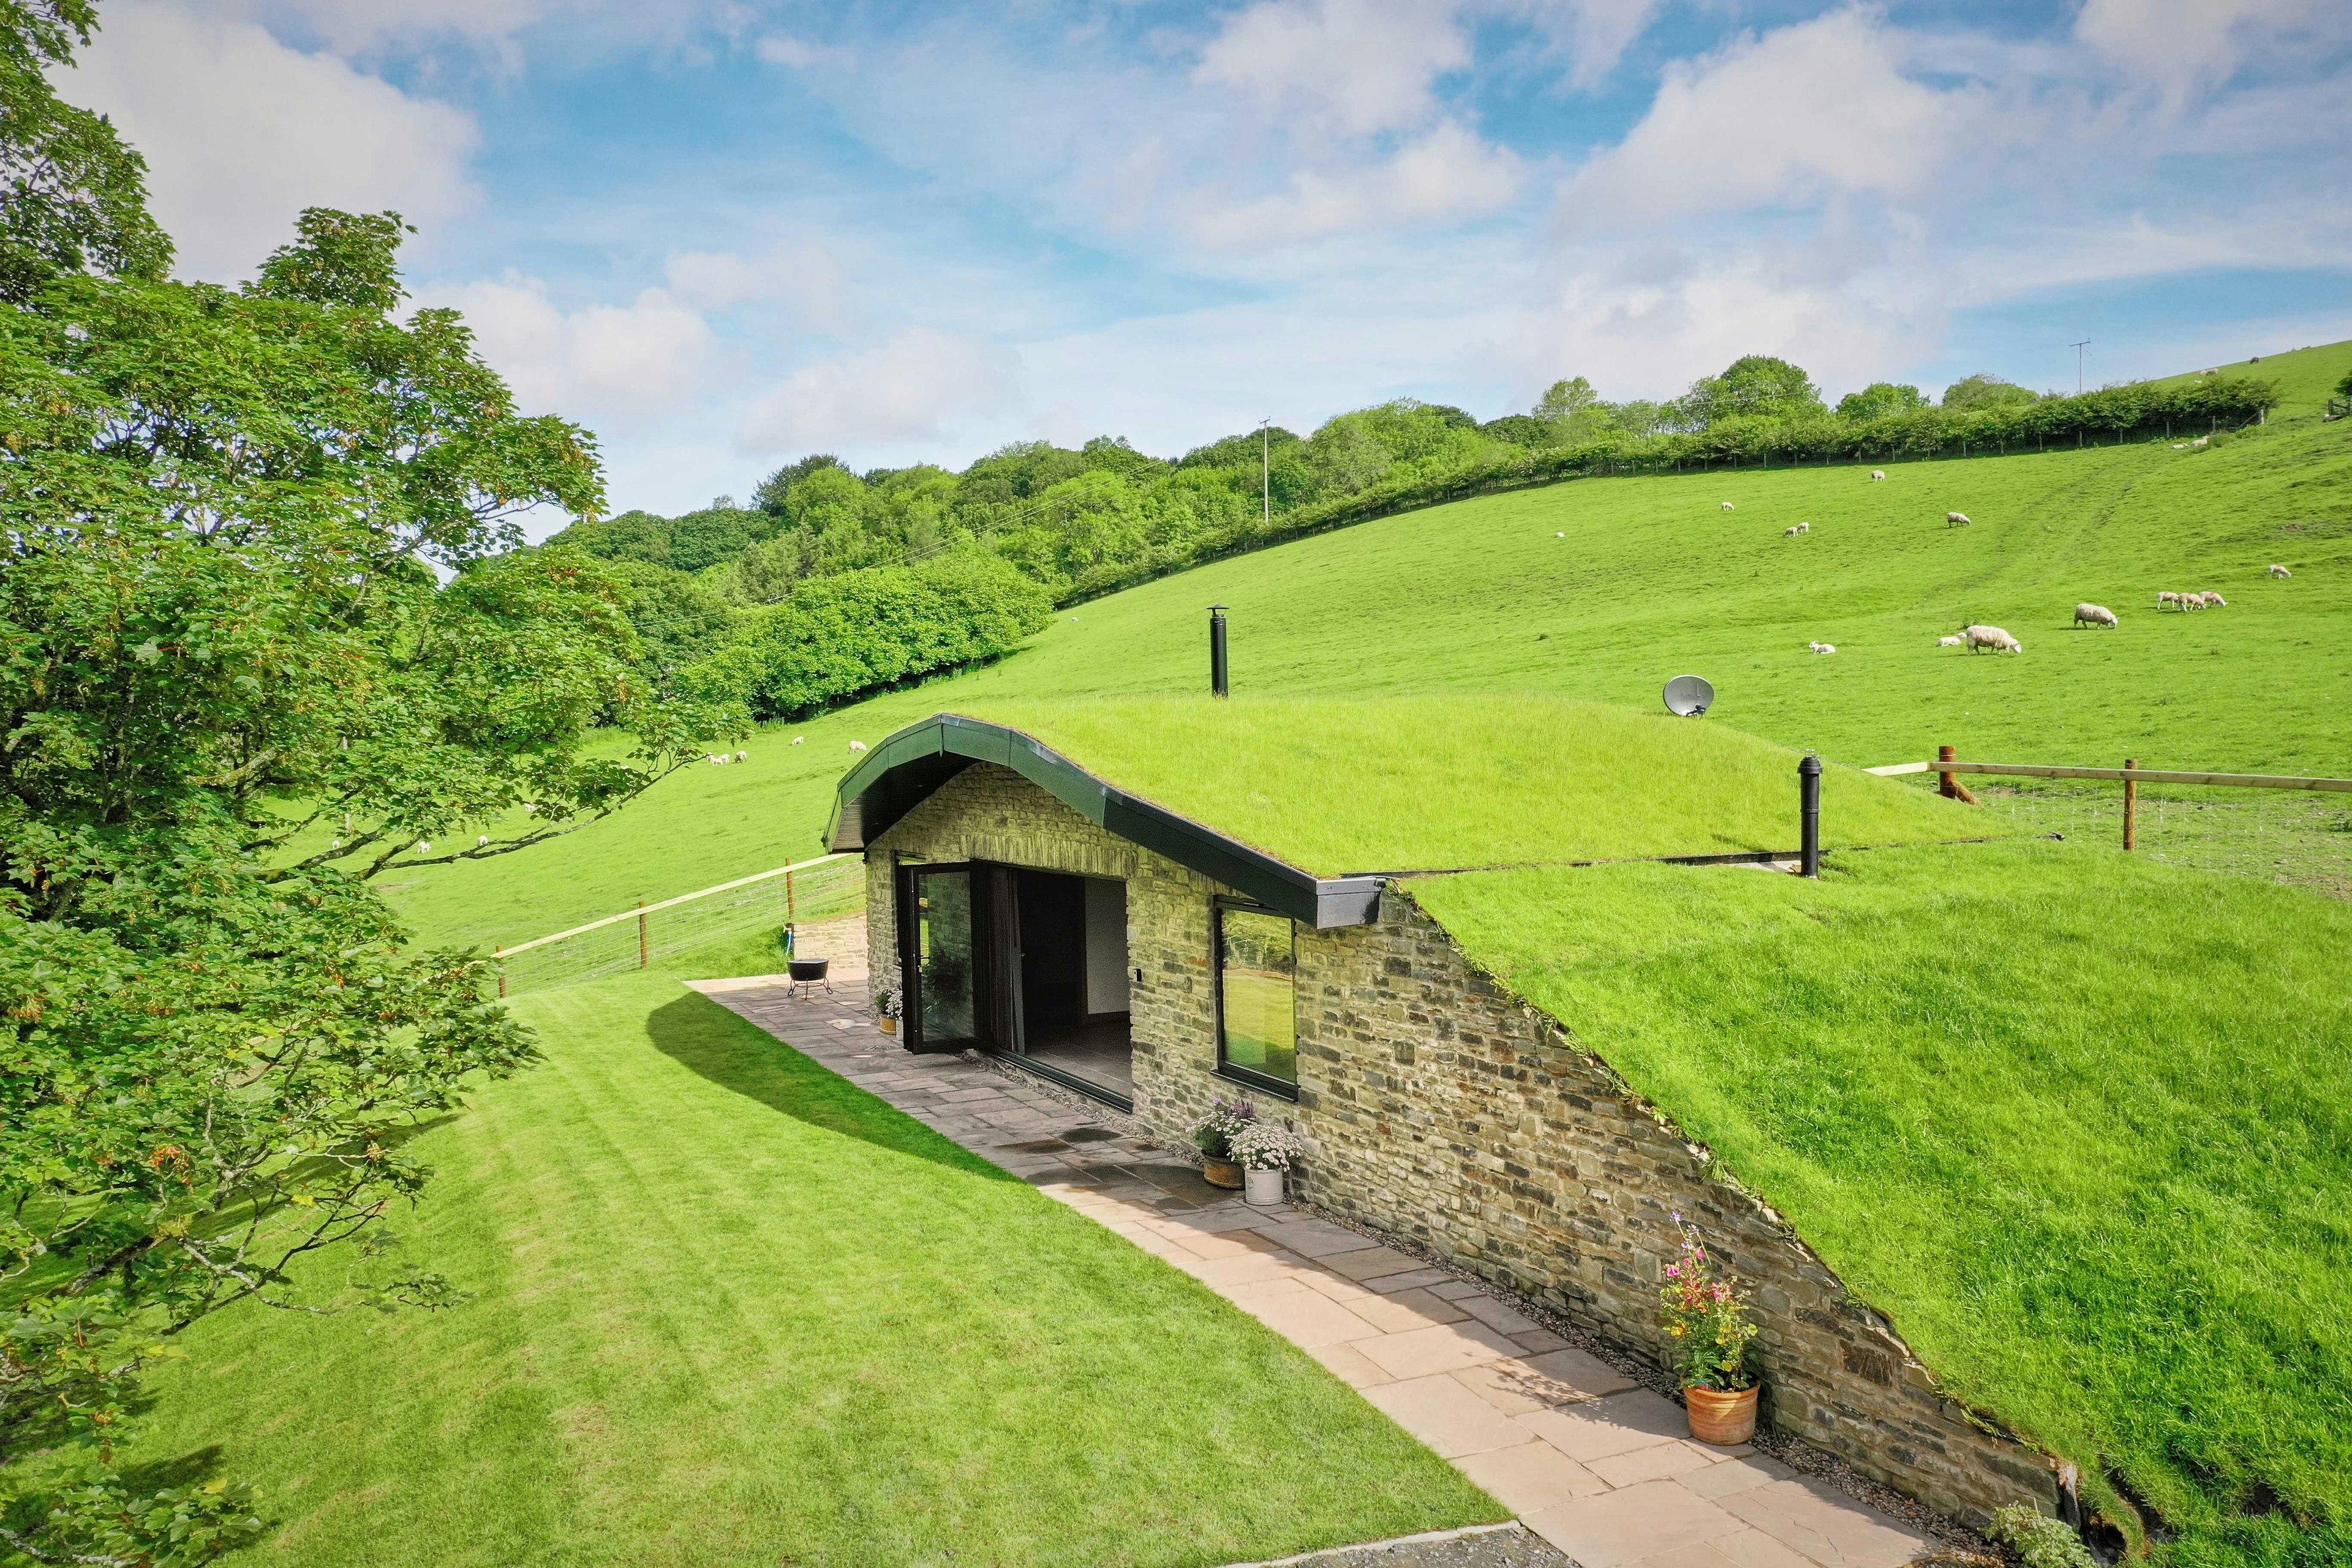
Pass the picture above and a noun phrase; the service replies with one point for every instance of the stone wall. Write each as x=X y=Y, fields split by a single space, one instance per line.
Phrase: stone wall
x=1440 y=1108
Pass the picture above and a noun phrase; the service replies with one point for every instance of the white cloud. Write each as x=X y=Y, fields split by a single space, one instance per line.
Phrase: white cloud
x=2183 y=46
x=241 y=132
x=1802 y=115
x=1448 y=173
x=779 y=49
x=1595 y=33
x=807 y=280
x=910 y=387
x=611 y=362
x=1356 y=66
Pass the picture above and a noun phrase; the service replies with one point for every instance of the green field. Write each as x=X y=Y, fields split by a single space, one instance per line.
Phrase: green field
x=1653 y=579
x=732 y=1309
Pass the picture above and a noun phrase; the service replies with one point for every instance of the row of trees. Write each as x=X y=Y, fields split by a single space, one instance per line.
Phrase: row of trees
x=1078 y=524
x=266 y=634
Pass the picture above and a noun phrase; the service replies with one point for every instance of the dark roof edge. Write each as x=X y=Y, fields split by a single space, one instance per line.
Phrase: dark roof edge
x=909 y=765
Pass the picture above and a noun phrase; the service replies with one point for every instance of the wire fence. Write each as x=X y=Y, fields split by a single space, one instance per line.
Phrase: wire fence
x=801 y=893
x=2280 y=836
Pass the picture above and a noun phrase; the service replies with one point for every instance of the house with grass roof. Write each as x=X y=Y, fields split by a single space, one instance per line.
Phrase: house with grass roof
x=1525 y=975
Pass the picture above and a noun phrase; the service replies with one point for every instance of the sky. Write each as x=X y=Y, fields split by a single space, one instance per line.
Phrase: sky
x=725 y=233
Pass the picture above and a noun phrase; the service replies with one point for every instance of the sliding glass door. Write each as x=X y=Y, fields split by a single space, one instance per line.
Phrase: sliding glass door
x=940 y=928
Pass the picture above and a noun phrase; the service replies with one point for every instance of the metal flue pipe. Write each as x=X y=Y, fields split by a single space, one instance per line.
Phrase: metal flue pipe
x=1217 y=668
x=1809 y=797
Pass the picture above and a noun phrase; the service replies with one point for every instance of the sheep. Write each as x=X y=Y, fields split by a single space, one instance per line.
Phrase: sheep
x=1792 y=532
x=2200 y=440
x=1993 y=637
x=481 y=840
x=2168 y=599
x=1560 y=536
x=1876 y=475
x=2279 y=571
x=2096 y=615
x=798 y=739
x=1727 y=506
x=742 y=756
x=1956 y=520
x=1953 y=641
x=1821 y=646
x=2192 y=601
x=2213 y=600
x=856 y=745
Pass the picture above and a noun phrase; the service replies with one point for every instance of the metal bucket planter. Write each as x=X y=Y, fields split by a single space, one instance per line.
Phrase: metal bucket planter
x=1264 y=1190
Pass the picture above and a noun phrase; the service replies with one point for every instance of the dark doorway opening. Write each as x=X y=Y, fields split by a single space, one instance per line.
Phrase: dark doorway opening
x=1074 y=1009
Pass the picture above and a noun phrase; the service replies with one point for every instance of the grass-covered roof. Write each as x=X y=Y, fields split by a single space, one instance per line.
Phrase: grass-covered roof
x=1339 y=786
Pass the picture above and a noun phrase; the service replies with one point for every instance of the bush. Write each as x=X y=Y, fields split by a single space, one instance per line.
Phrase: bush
x=839 y=637
x=2040 y=1540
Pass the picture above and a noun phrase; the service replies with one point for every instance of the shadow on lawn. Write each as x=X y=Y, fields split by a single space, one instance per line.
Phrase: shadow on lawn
x=714 y=1044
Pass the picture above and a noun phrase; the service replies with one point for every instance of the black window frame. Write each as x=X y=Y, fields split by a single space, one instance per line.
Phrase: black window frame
x=906 y=871
x=1264 y=1083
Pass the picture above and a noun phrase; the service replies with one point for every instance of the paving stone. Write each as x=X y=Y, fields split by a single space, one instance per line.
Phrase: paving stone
x=1241 y=1271
x=1352 y=1365
x=1586 y=1432
x=1306 y=1320
x=1826 y=1526
x=1503 y=1320
x=1630 y=1524
x=1754 y=1548
x=1446 y=1348
x=1653 y=1463
x=1720 y=1480
x=1365 y=1262
x=1521 y=1384
x=1406 y=1310
x=1531 y=1477
x=1448 y=1416
x=1411 y=1279
x=1540 y=1341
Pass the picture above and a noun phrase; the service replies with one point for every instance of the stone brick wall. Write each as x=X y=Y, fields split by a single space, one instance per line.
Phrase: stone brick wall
x=1441 y=1109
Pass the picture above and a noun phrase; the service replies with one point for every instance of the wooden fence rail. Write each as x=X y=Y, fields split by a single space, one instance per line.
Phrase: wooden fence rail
x=2130 y=775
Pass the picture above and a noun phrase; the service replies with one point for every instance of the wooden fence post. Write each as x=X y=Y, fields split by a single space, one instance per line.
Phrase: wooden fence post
x=1952 y=788
x=496 y=956
x=642 y=959
x=2131 y=806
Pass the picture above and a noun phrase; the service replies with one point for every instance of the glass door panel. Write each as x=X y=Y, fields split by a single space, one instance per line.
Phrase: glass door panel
x=945 y=966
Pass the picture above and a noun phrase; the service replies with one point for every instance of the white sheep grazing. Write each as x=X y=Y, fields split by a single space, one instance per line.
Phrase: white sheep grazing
x=1878 y=474
x=1956 y=520
x=1993 y=637
x=1821 y=646
x=2279 y=571
x=1727 y=506
x=2096 y=615
x=2192 y=601
x=856 y=745
x=1560 y=536
x=1792 y=532
x=742 y=756
x=1953 y=641
x=2214 y=600
x=798 y=739
x=2200 y=440
x=2164 y=598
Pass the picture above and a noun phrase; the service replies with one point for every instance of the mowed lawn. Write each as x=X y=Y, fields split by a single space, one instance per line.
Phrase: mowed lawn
x=2079 y=1123
x=1604 y=588
x=732 y=1309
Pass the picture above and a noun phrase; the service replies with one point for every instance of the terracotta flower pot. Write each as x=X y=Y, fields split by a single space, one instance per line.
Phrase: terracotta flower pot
x=1221 y=1172
x=1722 y=1415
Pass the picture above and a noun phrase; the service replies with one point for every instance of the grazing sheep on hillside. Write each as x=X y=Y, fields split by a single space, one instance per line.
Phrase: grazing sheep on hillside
x=2096 y=615
x=856 y=745
x=2166 y=599
x=2192 y=601
x=742 y=756
x=1801 y=528
x=2200 y=440
x=2213 y=600
x=1727 y=506
x=1993 y=637
x=1821 y=646
x=1955 y=640
x=1878 y=474
x=1956 y=520
x=1555 y=536
x=798 y=739
x=2279 y=571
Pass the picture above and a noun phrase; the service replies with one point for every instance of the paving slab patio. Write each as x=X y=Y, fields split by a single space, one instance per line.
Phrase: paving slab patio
x=1603 y=1470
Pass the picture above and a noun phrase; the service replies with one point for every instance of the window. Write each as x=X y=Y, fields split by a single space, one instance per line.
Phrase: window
x=1257 y=1014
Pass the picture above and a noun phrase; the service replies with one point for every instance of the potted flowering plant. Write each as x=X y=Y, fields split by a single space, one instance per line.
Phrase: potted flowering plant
x=1213 y=1135
x=1708 y=1328
x=1264 y=1150
x=886 y=1011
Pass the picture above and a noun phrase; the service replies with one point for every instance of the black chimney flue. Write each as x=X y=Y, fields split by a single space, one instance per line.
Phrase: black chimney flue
x=1216 y=650
x=1809 y=798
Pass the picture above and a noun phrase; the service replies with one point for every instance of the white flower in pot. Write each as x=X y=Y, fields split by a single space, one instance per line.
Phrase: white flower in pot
x=1264 y=1150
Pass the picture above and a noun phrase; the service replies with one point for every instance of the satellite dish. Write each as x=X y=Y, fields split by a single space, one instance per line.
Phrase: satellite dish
x=1689 y=696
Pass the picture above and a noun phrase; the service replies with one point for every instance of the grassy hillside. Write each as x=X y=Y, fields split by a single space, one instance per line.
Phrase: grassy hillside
x=732 y=1309
x=2077 y=1121
x=1603 y=588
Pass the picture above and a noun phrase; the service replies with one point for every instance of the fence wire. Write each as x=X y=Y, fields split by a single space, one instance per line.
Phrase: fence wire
x=2301 y=838
x=818 y=891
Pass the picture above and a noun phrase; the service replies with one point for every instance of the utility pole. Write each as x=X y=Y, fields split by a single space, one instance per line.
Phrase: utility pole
x=2078 y=349
x=1265 y=466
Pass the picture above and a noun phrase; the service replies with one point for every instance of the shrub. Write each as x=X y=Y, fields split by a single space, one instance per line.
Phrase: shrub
x=1709 y=1324
x=2040 y=1540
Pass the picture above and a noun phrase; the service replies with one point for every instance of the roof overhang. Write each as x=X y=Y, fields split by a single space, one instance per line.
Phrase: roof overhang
x=907 y=769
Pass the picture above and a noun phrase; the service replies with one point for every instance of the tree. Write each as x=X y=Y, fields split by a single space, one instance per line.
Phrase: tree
x=73 y=198
x=768 y=495
x=235 y=689
x=1880 y=398
x=1755 y=386
x=1984 y=390
x=1574 y=410
x=2344 y=387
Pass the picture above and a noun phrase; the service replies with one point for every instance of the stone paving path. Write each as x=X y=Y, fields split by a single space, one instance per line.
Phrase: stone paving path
x=1598 y=1467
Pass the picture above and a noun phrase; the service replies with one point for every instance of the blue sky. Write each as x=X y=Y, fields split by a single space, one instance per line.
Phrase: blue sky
x=724 y=234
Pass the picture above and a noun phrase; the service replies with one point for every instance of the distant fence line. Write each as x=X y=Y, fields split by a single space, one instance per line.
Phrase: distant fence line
x=2281 y=827
x=802 y=892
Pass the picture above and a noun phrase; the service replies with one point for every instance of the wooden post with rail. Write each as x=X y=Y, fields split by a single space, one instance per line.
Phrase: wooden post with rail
x=644 y=959
x=1952 y=788
x=2131 y=804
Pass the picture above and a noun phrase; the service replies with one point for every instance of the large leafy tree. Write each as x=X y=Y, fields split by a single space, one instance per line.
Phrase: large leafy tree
x=1755 y=386
x=264 y=635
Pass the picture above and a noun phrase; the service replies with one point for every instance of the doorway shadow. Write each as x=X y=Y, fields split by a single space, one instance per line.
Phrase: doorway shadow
x=739 y=1057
